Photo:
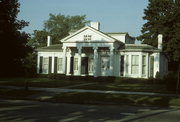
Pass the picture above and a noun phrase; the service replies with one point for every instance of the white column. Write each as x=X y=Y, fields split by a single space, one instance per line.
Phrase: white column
x=147 y=65
x=125 y=60
x=140 y=65
x=95 y=62
x=38 y=63
x=130 y=64
x=79 y=60
x=68 y=65
x=119 y=73
x=52 y=69
x=68 y=62
x=111 y=61
x=64 y=60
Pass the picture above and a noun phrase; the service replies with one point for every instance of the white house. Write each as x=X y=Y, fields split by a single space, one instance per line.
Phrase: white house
x=90 y=52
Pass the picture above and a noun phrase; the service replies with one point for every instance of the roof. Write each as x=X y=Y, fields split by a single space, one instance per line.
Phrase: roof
x=84 y=28
x=116 y=32
x=140 y=47
x=119 y=33
x=51 y=48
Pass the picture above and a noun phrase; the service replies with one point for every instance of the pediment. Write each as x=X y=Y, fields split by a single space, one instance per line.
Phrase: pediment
x=88 y=34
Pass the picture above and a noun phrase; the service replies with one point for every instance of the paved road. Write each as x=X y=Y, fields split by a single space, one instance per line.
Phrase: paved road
x=33 y=111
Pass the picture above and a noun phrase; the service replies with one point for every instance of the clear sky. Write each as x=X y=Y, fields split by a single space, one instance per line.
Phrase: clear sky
x=113 y=15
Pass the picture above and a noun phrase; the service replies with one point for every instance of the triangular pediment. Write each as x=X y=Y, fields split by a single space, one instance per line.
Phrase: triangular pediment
x=92 y=34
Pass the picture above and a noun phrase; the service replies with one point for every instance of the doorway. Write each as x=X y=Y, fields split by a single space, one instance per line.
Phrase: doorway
x=84 y=65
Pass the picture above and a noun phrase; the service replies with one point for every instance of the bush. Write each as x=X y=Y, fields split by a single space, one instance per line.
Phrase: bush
x=171 y=81
x=57 y=76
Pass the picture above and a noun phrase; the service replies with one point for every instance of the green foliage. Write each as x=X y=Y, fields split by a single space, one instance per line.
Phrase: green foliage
x=29 y=65
x=39 y=38
x=57 y=26
x=171 y=81
x=13 y=47
x=163 y=17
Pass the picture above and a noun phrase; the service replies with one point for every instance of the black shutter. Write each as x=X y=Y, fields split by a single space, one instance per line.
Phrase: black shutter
x=151 y=66
x=40 y=65
x=122 y=66
x=72 y=65
x=55 y=65
x=50 y=65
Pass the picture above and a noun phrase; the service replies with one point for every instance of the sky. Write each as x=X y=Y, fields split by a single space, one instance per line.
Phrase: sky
x=113 y=15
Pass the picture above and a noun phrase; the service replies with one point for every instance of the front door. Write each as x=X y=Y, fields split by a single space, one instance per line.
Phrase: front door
x=105 y=65
x=84 y=65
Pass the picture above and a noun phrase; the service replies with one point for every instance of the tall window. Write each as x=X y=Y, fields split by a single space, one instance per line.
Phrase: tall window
x=75 y=63
x=45 y=65
x=143 y=64
x=127 y=64
x=90 y=65
x=135 y=64
x=59 y=64
x=87 y=37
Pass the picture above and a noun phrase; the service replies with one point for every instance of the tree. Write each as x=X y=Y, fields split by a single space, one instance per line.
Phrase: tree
x=58 y=27
x=13 y=42
x=39 y=38
x=163 y=17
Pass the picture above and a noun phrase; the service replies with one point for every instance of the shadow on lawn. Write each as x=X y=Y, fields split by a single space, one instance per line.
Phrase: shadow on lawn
x=42 y=111
x=112 y=99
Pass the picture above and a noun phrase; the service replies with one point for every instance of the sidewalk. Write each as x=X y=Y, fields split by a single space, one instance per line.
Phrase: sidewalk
x=65 y=90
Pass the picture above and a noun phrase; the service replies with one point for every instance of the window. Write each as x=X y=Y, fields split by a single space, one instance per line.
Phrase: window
x=127 y=64
x=143 y=64
x=135 y=64
x=105 y=63
x=87 y=37
x=45 y=65
x=59 y=64
x=90 y=65
x=75 y=63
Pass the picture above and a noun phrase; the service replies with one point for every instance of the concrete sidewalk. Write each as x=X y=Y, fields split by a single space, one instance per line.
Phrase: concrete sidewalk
x=65 y=90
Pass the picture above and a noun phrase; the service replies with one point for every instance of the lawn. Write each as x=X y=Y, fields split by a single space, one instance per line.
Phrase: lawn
x=104 y=83
x=119 y=84
x=100 y=98
x=16 y=93
x=40 y=82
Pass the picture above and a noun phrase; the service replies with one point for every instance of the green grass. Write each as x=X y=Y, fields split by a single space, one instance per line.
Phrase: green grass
x=100 y=98
x=119 y=86
x=39 y=82
x=17 y=93
x=100 y=83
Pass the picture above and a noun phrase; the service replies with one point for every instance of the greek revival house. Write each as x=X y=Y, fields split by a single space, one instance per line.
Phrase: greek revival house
x=90 y=52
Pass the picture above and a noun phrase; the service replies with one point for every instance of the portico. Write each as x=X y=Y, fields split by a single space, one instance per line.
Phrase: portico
x=84 y=59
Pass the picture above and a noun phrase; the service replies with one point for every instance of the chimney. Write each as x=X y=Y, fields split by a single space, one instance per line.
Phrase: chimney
x=95 y=25
x=48 y=41
x=160 y=39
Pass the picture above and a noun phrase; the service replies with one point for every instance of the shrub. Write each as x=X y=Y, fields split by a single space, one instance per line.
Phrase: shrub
x=171 y=81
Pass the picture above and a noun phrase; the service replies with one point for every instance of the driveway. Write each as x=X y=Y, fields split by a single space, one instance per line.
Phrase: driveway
x=34 y=111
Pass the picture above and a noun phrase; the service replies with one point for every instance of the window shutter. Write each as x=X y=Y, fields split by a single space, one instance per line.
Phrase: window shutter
x=50 y=65
x=55 y=64
x=41 y=63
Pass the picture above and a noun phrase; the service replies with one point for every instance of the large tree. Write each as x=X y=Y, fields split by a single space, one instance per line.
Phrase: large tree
x=13 y=48
x=163 y=17
x=57 y=26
